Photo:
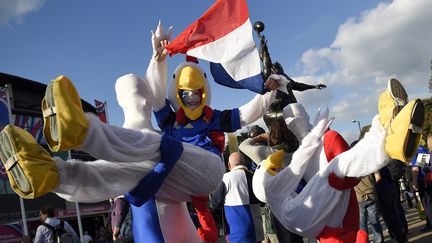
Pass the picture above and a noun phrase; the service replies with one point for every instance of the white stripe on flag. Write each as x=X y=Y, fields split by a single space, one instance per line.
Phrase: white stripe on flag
x=236 y=52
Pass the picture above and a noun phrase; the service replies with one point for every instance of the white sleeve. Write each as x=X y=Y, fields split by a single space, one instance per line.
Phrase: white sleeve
x=69 y=229
x=256 y=108
x=39 y=235
x=156 y=77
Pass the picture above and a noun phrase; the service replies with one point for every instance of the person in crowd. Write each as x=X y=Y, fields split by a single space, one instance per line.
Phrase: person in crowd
x=369 y=212
x=240 y=202
x=422 y=181
x=119 y=212
x=389 y=203
x=366 y=197
x=259 y=147
x=87 y=238
x=47 y=230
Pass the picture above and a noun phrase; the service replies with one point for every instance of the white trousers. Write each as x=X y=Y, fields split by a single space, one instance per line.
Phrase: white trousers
x=125 y=156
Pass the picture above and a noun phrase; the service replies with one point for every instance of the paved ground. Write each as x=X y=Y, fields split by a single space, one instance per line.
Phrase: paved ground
x=414 y=227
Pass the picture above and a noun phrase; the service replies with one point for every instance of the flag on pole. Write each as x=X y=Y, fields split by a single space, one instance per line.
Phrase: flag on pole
x=101 y=110
x=223 y=36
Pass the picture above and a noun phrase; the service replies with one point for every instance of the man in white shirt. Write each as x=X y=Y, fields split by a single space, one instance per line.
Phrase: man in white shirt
x=43 y=232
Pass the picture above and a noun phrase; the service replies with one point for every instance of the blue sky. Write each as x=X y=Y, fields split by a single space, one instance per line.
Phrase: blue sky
x=352 y=46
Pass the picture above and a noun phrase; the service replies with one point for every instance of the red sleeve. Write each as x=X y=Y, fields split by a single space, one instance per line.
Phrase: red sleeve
x=335 y=144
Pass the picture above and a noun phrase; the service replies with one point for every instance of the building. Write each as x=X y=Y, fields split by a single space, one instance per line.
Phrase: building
x=25 y=100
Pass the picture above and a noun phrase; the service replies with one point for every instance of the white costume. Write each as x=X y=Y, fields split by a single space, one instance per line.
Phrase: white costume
x=318 y=205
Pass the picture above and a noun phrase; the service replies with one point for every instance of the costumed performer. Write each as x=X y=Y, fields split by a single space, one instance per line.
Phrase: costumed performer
x=186 y=114
x=321 y=204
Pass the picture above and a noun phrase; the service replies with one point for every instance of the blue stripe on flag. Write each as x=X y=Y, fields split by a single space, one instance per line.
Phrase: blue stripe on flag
x=253 y=83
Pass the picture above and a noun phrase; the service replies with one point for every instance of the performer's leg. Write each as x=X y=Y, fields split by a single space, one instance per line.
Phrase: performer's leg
x=28 y=179
x=34 y=173
x=402 y=120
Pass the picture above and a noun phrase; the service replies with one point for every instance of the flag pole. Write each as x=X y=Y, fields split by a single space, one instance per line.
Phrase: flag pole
x=23 y=217
x=21 y=200
x=106 y=111
x=80 y=228
x=77 y=209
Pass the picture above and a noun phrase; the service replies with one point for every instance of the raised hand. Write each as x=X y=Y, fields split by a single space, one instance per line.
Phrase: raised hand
x=159 y=40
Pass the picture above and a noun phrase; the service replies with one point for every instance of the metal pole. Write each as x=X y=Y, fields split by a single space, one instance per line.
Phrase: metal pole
x=9 y=101
x=359 y=126
x=23 y=216
x=78 y=213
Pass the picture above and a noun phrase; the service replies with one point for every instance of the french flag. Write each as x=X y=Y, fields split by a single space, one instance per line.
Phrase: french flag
x=223 y=36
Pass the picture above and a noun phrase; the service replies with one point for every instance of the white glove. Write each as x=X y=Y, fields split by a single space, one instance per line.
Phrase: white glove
x=159 y=40
x=281 y=80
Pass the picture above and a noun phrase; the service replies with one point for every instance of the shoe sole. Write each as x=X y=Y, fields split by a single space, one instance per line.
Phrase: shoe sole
x=415 y=128
x=397 y=92
x=10 y=161
x=51 y=112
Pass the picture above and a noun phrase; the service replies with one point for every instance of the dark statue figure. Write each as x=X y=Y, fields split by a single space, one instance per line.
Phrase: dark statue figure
x=269 y=68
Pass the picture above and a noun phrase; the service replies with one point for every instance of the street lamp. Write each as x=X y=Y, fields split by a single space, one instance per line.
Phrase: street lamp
x=359 y=126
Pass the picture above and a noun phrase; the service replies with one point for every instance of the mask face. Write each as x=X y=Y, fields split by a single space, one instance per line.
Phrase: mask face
x=191 y=98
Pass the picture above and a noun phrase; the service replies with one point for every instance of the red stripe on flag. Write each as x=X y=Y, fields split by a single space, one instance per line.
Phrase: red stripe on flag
x=220 y=19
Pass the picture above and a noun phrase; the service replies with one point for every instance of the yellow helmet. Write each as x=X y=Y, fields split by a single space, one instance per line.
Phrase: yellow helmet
x=189 y=76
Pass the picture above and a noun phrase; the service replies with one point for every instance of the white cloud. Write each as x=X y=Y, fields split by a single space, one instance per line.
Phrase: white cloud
x=391 y=40
x=14 y=10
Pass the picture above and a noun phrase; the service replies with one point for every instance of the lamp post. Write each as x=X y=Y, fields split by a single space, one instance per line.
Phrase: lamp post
x=359 y=126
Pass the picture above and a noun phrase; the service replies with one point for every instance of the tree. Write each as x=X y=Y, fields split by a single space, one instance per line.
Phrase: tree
x=430 y=79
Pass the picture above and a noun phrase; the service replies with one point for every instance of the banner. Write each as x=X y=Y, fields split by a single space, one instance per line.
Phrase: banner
x=5 y=115
x=101 y=110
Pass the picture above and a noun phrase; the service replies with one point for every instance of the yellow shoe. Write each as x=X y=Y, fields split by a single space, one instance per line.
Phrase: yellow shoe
x=404 y=132
x=65 y=125
x=391 y=101
x=274 y=163
x=31 y=170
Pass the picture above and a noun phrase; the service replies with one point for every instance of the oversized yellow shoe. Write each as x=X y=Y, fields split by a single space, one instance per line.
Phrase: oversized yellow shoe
x=404 y=132
x=274 y=163
x=65 y=125
x=31 y=170
x=391 y=101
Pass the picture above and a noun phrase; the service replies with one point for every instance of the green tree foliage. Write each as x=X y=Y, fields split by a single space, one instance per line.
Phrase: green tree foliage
x=430 y=79
x=428 y=120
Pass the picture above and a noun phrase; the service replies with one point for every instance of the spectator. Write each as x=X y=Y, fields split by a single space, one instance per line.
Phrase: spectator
x=421 y=180
x=366 y=197
x=86 y=238
x=45 y=232
x=240 y=203
x=388 y=200
x=119 y=211
x=258 y=148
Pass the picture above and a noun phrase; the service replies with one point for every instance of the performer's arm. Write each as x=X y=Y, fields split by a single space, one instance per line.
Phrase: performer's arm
x=258 y=106
x=337 y=145
x=156 y=74
x=302 y=87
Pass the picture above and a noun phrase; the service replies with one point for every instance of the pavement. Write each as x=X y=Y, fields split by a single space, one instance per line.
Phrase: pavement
x=415 y=224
